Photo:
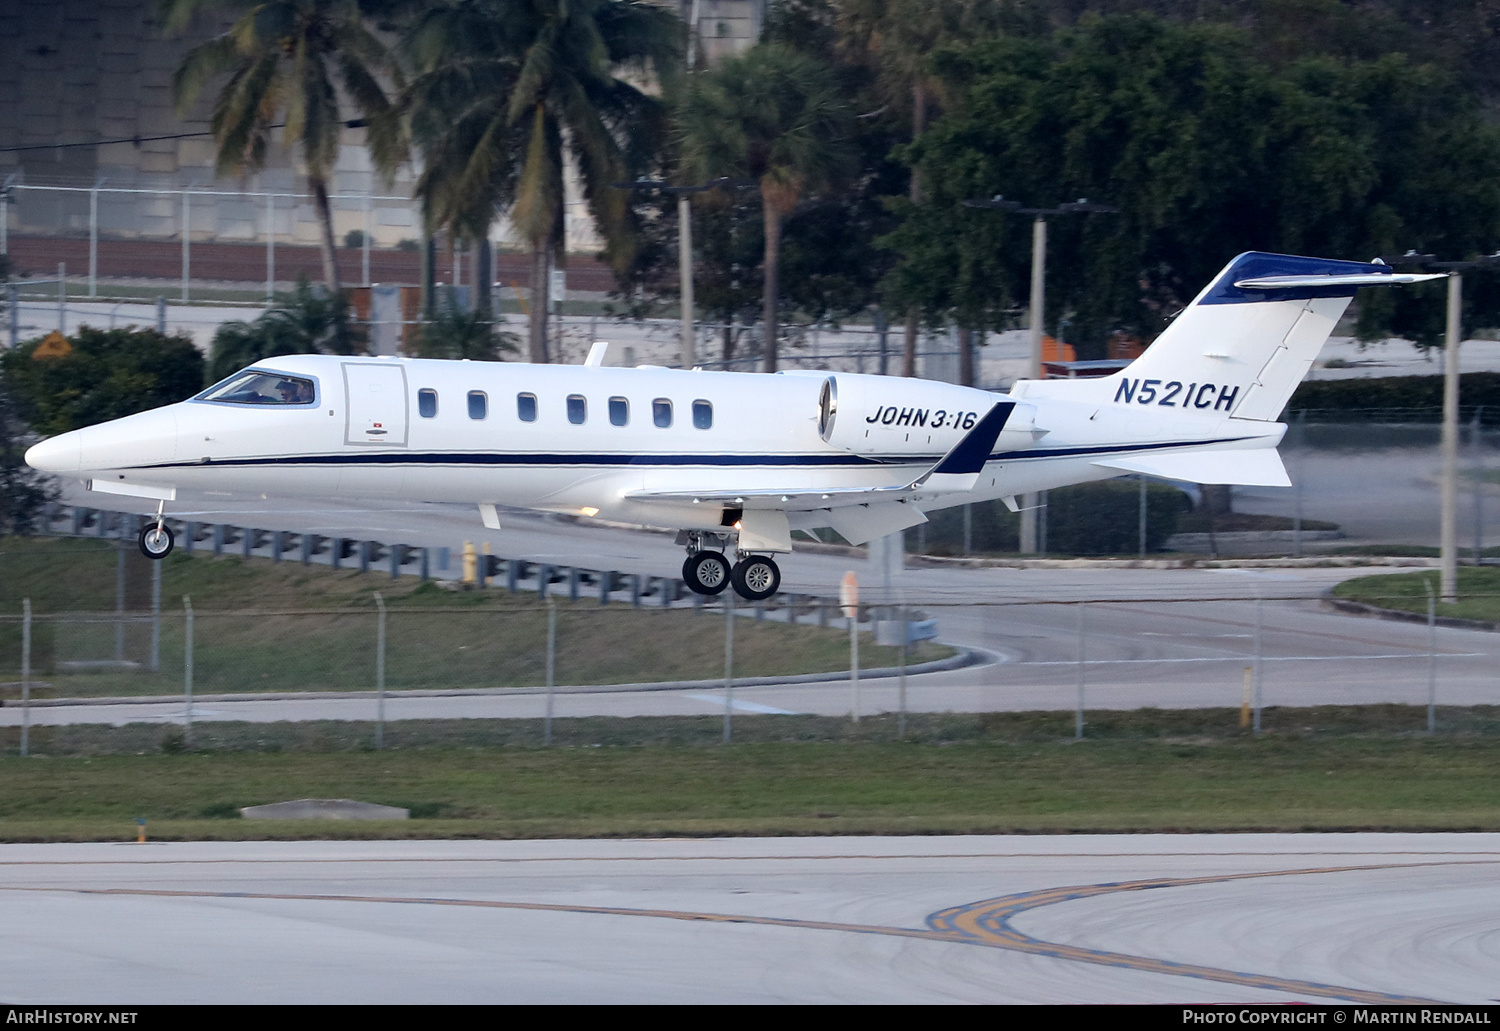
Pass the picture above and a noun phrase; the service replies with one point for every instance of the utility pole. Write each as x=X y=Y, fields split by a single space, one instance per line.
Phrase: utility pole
x=1448 y=521
x=1036 y=316
x=685 y=243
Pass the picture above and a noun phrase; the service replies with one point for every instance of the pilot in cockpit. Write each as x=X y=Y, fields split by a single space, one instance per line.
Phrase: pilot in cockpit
x=293 y=392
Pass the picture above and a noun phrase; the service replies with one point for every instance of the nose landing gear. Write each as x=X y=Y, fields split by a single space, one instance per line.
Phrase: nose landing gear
x=156 y=540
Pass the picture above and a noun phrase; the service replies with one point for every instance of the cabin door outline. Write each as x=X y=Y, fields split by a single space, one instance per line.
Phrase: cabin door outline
x=376 y=409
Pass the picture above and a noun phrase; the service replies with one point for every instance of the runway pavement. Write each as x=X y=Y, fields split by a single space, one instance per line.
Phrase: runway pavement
x=1347 y=918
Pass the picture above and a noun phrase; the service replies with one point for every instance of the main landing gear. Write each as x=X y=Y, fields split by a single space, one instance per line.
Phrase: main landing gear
x=754 y=577
x=156 y=538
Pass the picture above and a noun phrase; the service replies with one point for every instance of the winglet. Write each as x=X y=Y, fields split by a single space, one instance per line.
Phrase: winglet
x=969 y=455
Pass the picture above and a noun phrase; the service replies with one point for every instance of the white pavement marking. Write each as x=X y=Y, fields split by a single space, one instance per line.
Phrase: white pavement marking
x=741 y=706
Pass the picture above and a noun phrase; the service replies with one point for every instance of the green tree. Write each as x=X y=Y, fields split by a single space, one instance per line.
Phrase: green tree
x=897 y=39
x=455 y=333
x=108 y=373
x=289 y=59
x=506 y=88
x=773 y=115
x=311 y=321
x=1205 y=150
x=23 y=491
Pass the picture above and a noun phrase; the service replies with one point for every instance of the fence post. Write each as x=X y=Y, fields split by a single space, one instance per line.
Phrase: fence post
x=728 y=665
x=161 y=315
x=12 y=299
x=1431 y=658
x=62 y=297
x=365 y=258
x=155 y=617
x=25 y=677
x=270 y=248
x=94 y=239
x=187 y=671
x=854 y=661
x=551 y=668
x=1477 y=447
x=904 y=617
x=186 y=246
x=1142 y=516
x=1078 y=717
x=1258 y=678
x=1297 y=487
x=379 y=672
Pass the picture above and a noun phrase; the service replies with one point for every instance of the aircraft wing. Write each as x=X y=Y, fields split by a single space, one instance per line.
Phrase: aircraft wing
x=1258 y=468
x=859 y=514
x=956 y=470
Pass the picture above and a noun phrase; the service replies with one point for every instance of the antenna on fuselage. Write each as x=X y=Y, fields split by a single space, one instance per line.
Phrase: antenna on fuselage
x=596 y=354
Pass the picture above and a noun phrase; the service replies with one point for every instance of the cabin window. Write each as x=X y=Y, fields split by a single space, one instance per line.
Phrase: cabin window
x=578 y=409
x=479 y=404
x=427 y=403
x=703 y=415
x=619 y=411
x=526 y=407
x=254 y=387
x=661 y=412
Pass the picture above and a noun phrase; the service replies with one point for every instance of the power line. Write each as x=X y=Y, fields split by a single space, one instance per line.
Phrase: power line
x=137 y=140
x=352 y=123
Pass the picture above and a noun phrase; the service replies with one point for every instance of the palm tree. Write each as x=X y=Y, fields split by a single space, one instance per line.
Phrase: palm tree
x=507 y=90
x=773 y=115
x=283 y=59
x=307 y=323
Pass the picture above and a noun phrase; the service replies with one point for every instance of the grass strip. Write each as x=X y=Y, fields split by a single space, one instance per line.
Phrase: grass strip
x=264 y=626
x=1478 y=592
x=1325 y=769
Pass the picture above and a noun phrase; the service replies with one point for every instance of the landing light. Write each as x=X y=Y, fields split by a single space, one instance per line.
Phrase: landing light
x=588 y=511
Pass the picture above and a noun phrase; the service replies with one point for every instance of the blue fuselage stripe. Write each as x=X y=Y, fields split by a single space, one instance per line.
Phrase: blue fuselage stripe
x=406 y=458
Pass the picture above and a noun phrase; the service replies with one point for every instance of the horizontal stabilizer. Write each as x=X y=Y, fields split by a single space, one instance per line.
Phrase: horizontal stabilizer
x=1259 y=468
x=1358 y=279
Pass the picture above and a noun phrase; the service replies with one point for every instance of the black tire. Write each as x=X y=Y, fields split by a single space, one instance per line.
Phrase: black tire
x=756 y=578
x=156 y=542
x=706 y=572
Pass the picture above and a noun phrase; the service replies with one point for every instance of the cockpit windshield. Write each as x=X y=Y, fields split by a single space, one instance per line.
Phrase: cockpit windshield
x=257 y=387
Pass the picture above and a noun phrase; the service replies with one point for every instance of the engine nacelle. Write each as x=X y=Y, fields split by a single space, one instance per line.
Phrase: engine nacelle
x=890 y=415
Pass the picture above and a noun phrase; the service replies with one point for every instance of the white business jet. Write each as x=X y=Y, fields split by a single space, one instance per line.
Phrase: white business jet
x=736 y=461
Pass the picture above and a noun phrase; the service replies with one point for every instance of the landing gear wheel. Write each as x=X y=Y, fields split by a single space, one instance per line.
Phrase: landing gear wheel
x=755 y=578
x=156 y=541
x=707 y=572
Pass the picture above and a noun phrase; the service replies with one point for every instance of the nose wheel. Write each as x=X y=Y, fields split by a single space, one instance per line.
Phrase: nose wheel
x=156 y=541
x=755 y=578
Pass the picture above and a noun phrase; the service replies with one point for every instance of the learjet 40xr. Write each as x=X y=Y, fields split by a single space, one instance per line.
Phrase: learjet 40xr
x=735 y=461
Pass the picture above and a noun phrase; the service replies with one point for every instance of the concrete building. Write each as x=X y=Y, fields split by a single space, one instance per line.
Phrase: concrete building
x=77 y=73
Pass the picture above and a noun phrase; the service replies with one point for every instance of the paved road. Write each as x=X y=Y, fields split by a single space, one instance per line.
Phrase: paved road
x=1354 y=919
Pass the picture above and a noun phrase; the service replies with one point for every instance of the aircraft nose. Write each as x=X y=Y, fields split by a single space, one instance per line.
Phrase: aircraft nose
x=62 y=454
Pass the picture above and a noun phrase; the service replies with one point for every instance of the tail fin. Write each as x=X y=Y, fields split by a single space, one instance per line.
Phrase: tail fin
x=1247 y=340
